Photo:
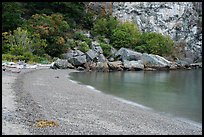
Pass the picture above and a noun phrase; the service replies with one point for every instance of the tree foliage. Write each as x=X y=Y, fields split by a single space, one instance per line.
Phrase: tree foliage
x=73 y=12
x=22 y=41
x=11 y=15
x=44 y=29
x=53 y=28
x=47 y=25
x=104 y=26
x=155 y=43
x=125 y=35
x=23 y=44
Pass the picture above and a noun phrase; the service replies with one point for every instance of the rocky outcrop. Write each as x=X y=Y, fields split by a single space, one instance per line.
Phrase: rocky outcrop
x=75 y=57
x=181 y=20
x=116 y=65
x=182 y=63
x=91 y=55
x=133 y=65
x=72 y=53
x=95 y=53
x=78 y=60
x=154 y=61
x=101 y=58
x=62 y=64
x=102 y=66
x=127 y=54
x=126 y=59
x=96 y=47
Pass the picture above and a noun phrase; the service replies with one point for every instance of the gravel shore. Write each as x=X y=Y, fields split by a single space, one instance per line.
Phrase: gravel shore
x=10 y=117
x=48 y=94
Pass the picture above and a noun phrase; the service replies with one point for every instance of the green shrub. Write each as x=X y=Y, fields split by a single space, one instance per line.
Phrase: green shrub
x=6 y=48
x=106 y=49
x=79 y=36
x=102 y=39
x=125 y=35
x=38 y=45
x=7 y=57
x=22 y=41
x=82 y=37
x=41 y=60
x=88 y=20
x=88 y=41
x=83 y=46
x=104 y=26
x=27 y=56
x=155 y=43
x=55 y=50
x=71 y=43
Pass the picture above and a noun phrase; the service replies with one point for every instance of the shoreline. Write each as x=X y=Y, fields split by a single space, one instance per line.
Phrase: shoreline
x=50 y=94
x=135 y=103
x=10 y=117
x=140 y=105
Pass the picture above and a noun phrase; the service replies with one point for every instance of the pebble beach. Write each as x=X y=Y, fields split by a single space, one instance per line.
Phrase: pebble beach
x=47 y=94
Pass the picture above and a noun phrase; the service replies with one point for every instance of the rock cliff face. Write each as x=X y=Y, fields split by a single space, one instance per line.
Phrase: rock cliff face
x=181 y=20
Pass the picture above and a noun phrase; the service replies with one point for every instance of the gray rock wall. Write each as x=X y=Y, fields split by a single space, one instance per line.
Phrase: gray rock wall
x=181 y=20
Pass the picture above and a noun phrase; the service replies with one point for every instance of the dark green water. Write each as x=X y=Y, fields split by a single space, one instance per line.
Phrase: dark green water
x=178 y=93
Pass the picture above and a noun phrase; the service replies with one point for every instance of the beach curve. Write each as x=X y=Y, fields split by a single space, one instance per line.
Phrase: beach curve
x=80 y=110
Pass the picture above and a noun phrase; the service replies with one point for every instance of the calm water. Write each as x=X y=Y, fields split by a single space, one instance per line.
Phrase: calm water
x=178 y=93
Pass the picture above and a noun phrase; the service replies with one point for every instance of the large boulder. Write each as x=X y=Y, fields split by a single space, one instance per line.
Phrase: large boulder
x=188 y=60
x=182 y=64
x=91 y=55
x=72 y=53
x=101 y=58
x=102 y=66
x=127 y=54
x=90 y=65
x=173 y=66
x=78 y=60
x=150 y=60
x=133 y=65
x=61 y=64
x=116 y=65
x=96 y=47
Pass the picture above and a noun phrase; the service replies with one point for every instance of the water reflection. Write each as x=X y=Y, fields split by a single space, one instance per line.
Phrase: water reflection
x=175 y=92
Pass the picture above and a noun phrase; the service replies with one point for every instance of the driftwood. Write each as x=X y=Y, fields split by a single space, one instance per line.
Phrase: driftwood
x=11 y=70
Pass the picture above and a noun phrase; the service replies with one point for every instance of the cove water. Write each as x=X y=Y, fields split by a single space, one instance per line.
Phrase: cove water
x=178 y=93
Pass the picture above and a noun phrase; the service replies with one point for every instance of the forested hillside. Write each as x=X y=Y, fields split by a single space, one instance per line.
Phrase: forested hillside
x=44 y=31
